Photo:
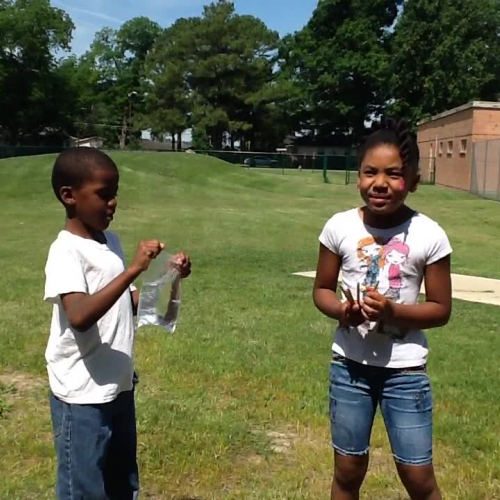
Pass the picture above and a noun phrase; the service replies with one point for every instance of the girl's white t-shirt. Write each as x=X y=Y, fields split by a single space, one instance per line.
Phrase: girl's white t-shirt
x=95 y=366
x=394 y=260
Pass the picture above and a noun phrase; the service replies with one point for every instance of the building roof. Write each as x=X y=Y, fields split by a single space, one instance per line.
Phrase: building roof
x=85 y=139
x=469 y=105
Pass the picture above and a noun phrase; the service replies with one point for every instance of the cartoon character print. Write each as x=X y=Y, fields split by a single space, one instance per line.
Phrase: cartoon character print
x=383 y=262
x=370 y=253
x=395 y=254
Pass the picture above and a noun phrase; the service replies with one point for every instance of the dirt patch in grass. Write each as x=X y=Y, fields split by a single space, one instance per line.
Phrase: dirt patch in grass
x=21 y=383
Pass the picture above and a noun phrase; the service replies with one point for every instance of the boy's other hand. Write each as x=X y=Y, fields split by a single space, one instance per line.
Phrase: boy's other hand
x=183 y=263
x=146 y=252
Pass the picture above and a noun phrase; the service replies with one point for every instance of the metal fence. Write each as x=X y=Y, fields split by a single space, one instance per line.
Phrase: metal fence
x=485 y=173
x=15 y=151
x=337 y=166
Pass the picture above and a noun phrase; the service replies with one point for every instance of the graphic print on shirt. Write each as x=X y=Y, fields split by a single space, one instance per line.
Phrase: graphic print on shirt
x=395 y=254
x=382 y=263
x=370 y=253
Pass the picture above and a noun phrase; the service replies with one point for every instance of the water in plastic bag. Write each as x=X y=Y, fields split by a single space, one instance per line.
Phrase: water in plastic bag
x=160 y=296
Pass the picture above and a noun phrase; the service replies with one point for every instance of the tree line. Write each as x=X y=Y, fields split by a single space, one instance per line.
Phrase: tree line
x=235 y=82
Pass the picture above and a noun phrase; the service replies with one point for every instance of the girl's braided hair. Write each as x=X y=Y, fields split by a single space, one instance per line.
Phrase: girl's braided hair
x=395 y=133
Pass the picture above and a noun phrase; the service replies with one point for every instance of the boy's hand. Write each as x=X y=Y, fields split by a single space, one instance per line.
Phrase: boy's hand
x=183 y=264
x=376 y=306
x=146 y=252
x=351 y=314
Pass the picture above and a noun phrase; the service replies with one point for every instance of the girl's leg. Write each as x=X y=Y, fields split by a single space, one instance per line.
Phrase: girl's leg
x=406 y=404
x=352 y=409
x=348 y=476
x=420 y=482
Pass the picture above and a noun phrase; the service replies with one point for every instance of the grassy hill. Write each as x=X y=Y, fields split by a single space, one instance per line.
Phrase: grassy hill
x=234 y=405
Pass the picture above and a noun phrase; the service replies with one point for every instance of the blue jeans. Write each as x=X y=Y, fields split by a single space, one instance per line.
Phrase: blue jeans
x=96 y=448
x=405 y=400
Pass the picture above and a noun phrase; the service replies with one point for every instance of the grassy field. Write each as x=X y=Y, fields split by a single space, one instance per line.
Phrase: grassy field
x=234 y=405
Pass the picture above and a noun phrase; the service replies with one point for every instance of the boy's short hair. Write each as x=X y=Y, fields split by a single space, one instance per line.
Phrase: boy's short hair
x=75 y=165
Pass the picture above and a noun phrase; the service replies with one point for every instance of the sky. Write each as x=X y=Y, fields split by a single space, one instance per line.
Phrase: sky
x=89 y=16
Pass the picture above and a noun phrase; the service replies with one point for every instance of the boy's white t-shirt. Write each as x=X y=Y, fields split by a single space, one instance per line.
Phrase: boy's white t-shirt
x=95 y=366
x=394 y=260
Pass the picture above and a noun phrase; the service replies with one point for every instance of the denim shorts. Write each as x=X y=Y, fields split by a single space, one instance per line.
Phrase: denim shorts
x=96 y=449
x=405 y=400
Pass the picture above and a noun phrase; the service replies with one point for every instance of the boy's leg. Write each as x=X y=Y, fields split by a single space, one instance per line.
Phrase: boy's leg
x=352 y=410
x=406 y=405
x=82 y=435
x=122 y=474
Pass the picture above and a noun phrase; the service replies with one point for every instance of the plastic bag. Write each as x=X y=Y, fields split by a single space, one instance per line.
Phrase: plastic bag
x=160 y=296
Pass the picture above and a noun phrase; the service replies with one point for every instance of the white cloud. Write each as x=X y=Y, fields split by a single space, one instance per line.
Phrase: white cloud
x=95 y=14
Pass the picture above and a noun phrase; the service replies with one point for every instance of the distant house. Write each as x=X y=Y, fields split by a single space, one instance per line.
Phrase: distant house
x=320 y=146
x=88 y=142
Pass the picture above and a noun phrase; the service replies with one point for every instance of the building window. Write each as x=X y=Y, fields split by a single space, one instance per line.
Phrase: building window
x=440 y=150
x=463 y=146
x=449 y=152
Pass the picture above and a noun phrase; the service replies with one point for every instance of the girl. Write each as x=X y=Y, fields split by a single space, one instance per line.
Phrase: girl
x=380 y=349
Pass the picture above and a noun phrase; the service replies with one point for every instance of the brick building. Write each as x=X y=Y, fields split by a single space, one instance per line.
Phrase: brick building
x=446 y=141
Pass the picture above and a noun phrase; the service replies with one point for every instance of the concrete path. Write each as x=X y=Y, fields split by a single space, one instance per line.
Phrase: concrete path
x=470 y=288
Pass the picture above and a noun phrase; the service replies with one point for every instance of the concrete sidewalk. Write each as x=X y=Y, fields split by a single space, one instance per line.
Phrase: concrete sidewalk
x=470 y=288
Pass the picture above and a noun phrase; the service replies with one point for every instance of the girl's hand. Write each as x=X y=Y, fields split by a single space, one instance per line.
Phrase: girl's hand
x=183 y=264
x=376 y=306
x=351 y=314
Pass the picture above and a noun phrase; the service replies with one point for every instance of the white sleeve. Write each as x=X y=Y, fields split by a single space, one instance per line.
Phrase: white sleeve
x=329 y=237
x=64 y=273
x=439 y=247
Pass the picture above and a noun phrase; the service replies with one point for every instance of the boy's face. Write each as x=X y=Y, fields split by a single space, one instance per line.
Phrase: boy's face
x=94 y=202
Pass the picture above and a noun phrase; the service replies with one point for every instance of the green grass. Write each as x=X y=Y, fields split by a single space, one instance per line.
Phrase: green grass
x=251 y=355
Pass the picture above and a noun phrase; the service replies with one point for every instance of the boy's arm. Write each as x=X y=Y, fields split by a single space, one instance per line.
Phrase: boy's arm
x=434 y=312
x=84 y=310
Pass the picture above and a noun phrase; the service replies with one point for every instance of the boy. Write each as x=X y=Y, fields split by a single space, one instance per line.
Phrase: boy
x=90 y=350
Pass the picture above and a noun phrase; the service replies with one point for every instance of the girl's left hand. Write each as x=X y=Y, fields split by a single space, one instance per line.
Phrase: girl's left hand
x=183 y=264
x=376 y=306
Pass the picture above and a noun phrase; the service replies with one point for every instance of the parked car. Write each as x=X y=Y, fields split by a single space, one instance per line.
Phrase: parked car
x=261 y=161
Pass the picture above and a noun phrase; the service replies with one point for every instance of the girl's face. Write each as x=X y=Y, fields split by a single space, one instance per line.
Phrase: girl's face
x=382 y=181
x=396 y=258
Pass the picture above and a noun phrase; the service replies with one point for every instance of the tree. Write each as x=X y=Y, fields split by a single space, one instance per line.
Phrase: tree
x=118 y=57
x=444 y=54
x=213 y=71
x=30 y=83
x=168 y=96
x=339 y=64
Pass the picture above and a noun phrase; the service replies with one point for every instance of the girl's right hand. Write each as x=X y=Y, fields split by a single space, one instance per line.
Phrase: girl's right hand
x=146 y=252
x=352 y=314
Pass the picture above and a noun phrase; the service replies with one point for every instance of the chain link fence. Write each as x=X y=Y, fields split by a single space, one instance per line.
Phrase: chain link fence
x=334 y=168
x=16 y=151
x=485 y=173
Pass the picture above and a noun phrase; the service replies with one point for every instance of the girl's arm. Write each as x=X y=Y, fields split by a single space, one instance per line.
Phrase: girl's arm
x=325 y=286
x=434 y=312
